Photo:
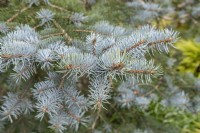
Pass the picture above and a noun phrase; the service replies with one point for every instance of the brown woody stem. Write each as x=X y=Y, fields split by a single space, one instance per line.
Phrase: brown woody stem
x=142 y=71
x=67 y=37
x=17 y=14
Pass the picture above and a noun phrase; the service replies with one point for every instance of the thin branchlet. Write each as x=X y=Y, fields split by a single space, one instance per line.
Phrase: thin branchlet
x=168 y=40
x=117 y=66
x=142 y=71
x=136 y=45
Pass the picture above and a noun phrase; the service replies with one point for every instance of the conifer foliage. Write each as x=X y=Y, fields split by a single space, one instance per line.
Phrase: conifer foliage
x=54 y=62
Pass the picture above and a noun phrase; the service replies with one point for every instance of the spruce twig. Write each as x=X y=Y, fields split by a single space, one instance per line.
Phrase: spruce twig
x=96 y=118
x=50 y=35
x=58 y=7
x=17 y=14
x=67 y=37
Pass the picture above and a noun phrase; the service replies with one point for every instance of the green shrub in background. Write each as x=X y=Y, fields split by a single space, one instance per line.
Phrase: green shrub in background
x=191 y=55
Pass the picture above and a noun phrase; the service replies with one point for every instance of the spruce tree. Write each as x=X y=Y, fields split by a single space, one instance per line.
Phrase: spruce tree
x=67 y=67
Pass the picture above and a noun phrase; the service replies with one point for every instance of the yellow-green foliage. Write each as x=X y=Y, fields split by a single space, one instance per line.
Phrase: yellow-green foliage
x=185 y=122
x=191 y=56
x=195 y=129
